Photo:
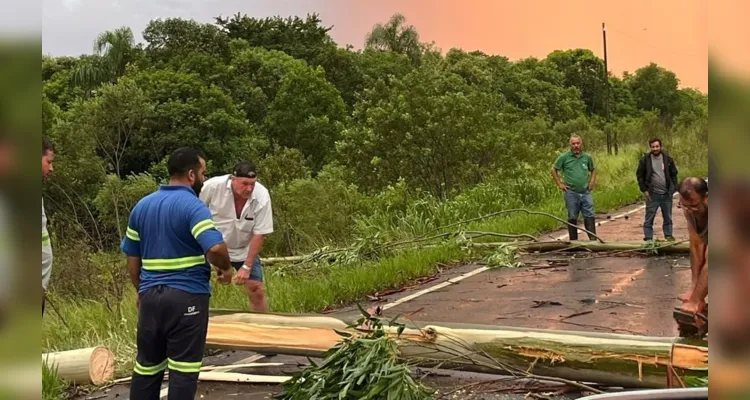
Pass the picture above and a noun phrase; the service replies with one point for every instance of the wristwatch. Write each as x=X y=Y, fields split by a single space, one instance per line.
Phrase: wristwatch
x=244 y=266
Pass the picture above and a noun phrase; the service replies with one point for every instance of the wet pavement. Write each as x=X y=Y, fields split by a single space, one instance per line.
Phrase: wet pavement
x=633 y=295
x=630 y=295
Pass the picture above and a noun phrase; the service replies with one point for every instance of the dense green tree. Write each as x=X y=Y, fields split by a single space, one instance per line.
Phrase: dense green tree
x=656 y=89
x=171 y=40
x=431 y=128
x=188 y=112
x=585 y=71
x=396 y=36
x=537 y=90
x=300 y=38
x=114 y=50
x=305 y=115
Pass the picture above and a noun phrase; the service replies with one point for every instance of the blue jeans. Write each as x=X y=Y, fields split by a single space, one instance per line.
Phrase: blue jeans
x=579 y=202
x=256 y=272
x=663 y=201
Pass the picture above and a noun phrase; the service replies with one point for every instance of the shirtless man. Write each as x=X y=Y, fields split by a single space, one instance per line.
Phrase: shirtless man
x=694 y=203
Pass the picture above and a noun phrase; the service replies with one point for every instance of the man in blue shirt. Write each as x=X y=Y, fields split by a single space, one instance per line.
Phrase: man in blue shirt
x=170 y=243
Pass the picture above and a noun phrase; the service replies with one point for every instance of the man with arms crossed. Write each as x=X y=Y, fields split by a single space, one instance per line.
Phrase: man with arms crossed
x=657 y=178
x=171 y=243
x=579 y=173
x=694 y=202
x=241 y=208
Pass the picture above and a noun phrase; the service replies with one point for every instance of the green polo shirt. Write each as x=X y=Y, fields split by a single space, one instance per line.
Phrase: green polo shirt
x=576 y=170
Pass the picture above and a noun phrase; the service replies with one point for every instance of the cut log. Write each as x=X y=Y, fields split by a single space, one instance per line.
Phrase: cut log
x=93 y=365
x=610 y=359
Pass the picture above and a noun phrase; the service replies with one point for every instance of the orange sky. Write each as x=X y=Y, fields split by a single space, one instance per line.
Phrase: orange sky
x=672 y=33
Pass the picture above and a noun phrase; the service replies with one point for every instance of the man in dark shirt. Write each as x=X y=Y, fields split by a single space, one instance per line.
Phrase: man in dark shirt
x=657 y=176
x=171 y=243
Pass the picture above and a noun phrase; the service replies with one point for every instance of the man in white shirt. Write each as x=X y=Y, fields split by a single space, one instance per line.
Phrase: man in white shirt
x=241 y=209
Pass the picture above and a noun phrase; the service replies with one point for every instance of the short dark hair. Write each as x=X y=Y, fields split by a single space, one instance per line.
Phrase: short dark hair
x=693 y=184
x=46 y=146
x=650 y=142
x=182 y=160
x=245 y=169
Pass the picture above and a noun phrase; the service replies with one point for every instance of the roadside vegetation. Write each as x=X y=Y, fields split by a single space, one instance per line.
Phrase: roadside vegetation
x=358 y=149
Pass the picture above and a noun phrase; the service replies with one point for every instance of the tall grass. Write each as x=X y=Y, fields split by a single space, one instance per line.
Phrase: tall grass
x=53 y=388
x=398 y=216
x=83 y=323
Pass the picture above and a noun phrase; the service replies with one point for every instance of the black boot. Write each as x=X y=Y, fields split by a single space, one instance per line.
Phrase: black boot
x=573 y=230
x=590 y=225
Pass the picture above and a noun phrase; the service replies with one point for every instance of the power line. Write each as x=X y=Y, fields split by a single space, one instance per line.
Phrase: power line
x=649 y=44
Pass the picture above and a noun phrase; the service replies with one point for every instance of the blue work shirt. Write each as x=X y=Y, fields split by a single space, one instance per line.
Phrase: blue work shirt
x=171 y=230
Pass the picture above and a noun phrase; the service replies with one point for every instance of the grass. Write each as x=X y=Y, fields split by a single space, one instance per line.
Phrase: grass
x=53 y=388
x=90 y=323
x=299 y=292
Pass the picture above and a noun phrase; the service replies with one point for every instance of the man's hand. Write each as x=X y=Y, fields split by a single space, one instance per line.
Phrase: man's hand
x=224 y=277
x=591 y=186
x=242 y=276
x=562 y=186
x=647 y=195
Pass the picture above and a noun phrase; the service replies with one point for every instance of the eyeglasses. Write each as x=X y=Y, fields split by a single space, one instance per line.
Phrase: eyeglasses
x=680 y=204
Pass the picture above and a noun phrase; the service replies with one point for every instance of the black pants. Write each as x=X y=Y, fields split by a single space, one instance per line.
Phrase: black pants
x=172 y=327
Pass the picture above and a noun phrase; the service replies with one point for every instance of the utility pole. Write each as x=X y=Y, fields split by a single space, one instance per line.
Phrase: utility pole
x=606 y=90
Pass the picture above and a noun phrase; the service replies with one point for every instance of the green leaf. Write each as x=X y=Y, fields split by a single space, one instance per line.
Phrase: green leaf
x=363 y=311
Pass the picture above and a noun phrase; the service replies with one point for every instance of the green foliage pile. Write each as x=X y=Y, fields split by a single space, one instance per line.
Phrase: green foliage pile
x=695 y=381
x=503 y=257
x=362 y=366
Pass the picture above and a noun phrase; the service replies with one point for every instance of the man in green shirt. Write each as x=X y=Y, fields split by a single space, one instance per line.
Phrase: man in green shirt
x=579 y=177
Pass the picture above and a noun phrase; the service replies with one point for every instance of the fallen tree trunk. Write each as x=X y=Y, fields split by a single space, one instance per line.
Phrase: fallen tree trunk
x=610 y=359
x=545 y=246
x=596 y=246
x=283 y=260
x=93 y=365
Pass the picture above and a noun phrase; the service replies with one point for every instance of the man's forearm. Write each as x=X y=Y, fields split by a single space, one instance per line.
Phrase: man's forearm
x=592 y=181
x=134 y=270
x=700 y=289
x=218 y=256
x=556 y=176
x=697 y=258
x=256 y=244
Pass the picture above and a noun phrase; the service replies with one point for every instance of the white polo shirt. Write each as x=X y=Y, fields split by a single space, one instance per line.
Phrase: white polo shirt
x=256 y=216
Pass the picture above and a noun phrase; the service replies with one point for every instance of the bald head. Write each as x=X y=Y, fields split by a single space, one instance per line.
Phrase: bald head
x=693 y=186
